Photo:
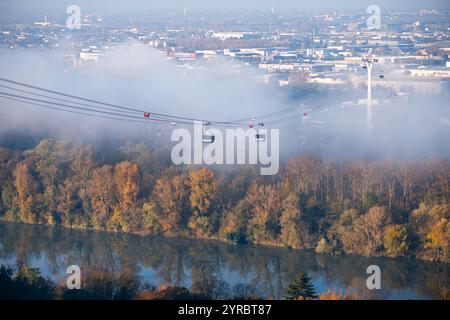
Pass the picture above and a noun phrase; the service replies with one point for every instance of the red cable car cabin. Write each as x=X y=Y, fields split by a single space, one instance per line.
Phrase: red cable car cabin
x=146 y=114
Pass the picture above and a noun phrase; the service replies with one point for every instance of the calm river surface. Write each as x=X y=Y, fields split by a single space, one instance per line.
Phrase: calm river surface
x=227 y=270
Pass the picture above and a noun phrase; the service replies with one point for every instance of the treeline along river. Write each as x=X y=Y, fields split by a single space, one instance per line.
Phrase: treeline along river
x=218 y=269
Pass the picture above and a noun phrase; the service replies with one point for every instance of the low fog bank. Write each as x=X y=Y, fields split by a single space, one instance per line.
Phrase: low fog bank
x=142 y=78
x=132 y=76
x=416 y=130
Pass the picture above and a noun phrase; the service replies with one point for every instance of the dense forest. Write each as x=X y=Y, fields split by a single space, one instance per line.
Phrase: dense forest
x=366 y=207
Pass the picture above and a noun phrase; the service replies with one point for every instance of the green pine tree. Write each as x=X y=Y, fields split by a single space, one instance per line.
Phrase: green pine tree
x=301 y=287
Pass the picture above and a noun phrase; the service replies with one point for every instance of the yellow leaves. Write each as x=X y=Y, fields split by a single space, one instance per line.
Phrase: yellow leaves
x=127 y=182
x=151 y=218
x=24 y=184
x=50 y=219
x=438 y=238
x=432 y=224
x=348 y=217
x=370 y=227
x=334 y=295
x=230 y=226
x=200 y=226
x=101 y=190
x=116 y=220
x=203 y=187
x=265 y=203
x=170 y=193
x=290 y=222
x=396 y=240
x=440 y=211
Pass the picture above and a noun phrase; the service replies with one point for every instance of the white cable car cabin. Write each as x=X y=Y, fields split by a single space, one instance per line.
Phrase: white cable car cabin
x=208 y=138
x=260 y=137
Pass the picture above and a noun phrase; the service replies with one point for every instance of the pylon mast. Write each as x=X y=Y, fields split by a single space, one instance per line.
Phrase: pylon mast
x=368 y=61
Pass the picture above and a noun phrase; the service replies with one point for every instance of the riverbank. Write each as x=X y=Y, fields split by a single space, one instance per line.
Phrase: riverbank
x=327 y=205
x=219 y=240
x=221 y=269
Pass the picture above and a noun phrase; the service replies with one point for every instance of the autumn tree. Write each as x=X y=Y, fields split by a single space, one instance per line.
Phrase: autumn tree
x=67 y=204
x=82 y=166
x=151 y=218
x=102 y=191
x=325 y=246
x=419 y=220
x=333 y=206
x=371 y=228
x=265 y=208
x=234 y=223
x=343 y=230
x=127 y=182
x=440 y=181
x=9 y=203
x=396 y=240
x=49 y=158
x=203 y=187
x=25 y=190
x=170 y=196
x=8 y=161
x=126 y=177
x=116 y=222
x=407 y=176
x=335 y=295
x=291 y=224
x=430 y=225
x=438 y=239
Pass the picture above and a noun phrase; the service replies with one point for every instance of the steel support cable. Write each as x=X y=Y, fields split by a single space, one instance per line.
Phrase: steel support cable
x=161 y=116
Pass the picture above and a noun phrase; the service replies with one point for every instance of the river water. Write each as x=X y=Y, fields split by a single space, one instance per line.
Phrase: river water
x=222 y=270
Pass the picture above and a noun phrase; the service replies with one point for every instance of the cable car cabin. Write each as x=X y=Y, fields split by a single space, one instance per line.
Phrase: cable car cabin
x=146 y=114
x=208 y=138
x=260 y=137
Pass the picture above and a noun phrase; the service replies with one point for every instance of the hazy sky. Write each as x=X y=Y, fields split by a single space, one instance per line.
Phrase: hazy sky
x=140 y=77
x=18 y=5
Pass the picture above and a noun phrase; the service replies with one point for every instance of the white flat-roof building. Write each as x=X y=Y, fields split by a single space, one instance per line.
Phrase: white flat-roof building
x=421 y=85
x=232 y=35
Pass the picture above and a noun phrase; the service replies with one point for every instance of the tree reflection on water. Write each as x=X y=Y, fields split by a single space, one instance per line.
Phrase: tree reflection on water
x=215 y=269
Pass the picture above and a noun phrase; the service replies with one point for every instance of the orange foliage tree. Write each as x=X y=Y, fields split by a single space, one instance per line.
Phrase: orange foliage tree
x=127 y=182
x=334 y=295
x=102 y=191
x=203 y=187
x=25 y=188
x=170 y=194
x=265 y=207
